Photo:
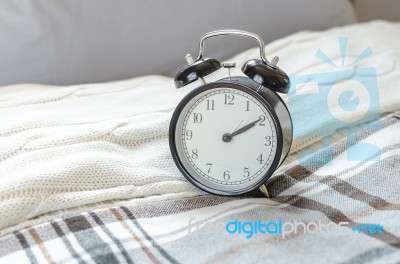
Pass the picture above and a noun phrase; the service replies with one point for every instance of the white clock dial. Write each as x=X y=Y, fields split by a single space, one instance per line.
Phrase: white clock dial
x=226 y=138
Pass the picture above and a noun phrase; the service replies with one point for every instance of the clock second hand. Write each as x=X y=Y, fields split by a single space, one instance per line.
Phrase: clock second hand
x=237 y=126
x=227 y=137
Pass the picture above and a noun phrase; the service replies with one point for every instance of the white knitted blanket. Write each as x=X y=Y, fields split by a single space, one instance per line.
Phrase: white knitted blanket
x=69 y=149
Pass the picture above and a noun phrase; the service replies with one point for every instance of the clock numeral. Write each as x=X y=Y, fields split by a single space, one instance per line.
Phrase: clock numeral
x=189 y=134
x=229 y=99
x=262 y=123
x=247 y=106
x=210 y=105
x=226 y=175
x=246 y=172
x=197 y=118
x=195 y=154
x=209 y=165
x=268 y=141
x=260 y=159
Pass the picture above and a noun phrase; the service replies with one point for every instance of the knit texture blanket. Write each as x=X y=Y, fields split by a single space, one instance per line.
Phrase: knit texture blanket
x=65 y=150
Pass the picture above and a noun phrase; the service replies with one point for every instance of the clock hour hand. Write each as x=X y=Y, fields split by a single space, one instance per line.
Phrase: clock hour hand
x=245 y=128
x=227 y=137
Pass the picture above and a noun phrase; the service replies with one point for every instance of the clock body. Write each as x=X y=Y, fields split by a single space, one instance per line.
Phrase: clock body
x=228 y=137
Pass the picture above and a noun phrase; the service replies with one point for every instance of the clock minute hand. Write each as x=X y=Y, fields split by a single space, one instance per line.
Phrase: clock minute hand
x=244 y=128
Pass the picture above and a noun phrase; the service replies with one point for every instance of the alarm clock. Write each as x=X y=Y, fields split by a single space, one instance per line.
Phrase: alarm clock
x=228 y=137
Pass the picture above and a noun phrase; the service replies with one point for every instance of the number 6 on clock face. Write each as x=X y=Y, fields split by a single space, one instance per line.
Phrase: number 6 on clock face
x=225 y=138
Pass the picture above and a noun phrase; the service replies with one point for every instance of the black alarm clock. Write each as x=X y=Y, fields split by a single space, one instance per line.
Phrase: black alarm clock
x=228 y=137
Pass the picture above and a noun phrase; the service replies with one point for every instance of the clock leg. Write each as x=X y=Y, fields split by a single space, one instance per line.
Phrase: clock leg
x=264 y=191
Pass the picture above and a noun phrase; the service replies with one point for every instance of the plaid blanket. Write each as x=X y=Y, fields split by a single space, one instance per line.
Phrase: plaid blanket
x=340 y=212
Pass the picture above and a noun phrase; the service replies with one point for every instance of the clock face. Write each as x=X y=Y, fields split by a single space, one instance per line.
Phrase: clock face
x=226 y=140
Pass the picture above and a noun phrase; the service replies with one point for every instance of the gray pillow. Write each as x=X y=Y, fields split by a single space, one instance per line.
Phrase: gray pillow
x=75 y=41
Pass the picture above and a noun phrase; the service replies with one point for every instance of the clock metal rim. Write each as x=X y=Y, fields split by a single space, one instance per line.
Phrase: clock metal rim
x=261 y=100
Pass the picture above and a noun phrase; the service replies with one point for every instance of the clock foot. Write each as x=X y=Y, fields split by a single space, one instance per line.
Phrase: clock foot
x=264 y=191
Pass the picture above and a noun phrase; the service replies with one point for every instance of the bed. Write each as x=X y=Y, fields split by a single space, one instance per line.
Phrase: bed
x=87 y=175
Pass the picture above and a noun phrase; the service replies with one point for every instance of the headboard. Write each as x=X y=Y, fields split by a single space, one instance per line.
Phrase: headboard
x=74 y=41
